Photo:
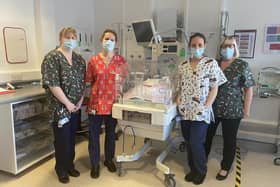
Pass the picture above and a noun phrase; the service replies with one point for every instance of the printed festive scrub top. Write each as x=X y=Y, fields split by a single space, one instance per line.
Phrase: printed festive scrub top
x=229 y=101
x=56 y=71
x=194 y=87
x=104 y=81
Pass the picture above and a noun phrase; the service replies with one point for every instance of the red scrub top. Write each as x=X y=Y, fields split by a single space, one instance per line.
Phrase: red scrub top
x=104 y=83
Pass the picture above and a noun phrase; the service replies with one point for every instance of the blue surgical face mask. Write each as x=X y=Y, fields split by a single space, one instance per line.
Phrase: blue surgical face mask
x=70 y=44
x=197 y=53
x=227 y=53
x=108 y=45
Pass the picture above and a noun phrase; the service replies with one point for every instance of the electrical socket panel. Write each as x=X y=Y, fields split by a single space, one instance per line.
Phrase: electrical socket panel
x=139 y=55
x=135 y=55
x=130 y=55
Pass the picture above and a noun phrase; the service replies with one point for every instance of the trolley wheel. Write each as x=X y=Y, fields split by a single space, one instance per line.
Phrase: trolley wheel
x=182 y=147
x=169 y=180
x=277 y=161
x=120 y=170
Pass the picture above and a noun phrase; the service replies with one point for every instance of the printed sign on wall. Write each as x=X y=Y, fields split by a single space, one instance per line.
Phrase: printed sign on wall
x=272 y=39
x=246 y=41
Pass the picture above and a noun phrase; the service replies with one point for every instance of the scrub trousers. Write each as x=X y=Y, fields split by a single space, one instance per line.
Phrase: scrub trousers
x=95 y=122
x=229 y=130
x=194 y=133
x=64 y=145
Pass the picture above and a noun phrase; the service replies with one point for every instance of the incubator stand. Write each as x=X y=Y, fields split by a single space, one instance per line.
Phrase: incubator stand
x=146 y=110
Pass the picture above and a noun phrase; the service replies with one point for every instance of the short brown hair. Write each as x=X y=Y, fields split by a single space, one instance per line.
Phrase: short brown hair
x=67 y=30
x=110 y=31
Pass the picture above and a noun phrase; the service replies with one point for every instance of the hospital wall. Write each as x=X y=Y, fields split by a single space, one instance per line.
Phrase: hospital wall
x=42 y=21
x=17 y=13
x=80 y=15
x=252 y=14
x=204 y=16
x=117 y=15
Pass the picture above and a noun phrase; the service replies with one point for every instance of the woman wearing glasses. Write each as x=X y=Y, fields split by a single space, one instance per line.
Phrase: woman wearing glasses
x=232 y=103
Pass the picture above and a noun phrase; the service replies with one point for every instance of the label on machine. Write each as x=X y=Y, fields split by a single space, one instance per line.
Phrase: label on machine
x=138 y=117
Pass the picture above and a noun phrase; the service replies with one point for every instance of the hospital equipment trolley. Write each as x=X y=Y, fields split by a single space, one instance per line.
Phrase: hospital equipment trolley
x=152 y=121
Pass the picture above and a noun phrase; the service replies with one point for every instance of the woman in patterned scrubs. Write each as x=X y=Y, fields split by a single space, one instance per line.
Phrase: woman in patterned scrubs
x=103 y=70
x=232 y=102
x=199 y=79
x=63 y=74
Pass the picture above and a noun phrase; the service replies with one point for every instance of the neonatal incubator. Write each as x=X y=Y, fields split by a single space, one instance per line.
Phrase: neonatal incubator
x=145 y=108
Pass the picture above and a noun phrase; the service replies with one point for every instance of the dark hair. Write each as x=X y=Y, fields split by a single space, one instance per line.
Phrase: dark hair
x=197 y=34
x=110 y=31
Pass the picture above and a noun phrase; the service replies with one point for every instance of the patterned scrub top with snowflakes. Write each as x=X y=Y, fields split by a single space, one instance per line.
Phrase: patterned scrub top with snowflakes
x=194 y=86
x=229 y=100
x=103 y=80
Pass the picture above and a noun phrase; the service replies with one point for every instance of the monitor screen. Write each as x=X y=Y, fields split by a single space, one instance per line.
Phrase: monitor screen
x=144 y=30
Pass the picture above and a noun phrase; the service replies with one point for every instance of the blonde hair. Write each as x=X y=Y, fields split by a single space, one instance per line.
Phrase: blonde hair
x=65 y=31
x=236 y=50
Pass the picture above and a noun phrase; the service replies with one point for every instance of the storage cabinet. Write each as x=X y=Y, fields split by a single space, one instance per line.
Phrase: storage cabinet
x=25 y=135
